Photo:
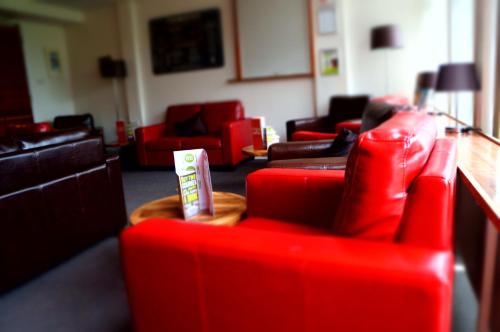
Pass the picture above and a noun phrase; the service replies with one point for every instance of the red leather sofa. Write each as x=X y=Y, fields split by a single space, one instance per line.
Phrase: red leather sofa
x=227 y=133
x=368 y=249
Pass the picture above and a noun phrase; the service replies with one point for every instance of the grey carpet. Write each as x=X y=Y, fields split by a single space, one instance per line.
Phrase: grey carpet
x=87 y=292
x=84 y=294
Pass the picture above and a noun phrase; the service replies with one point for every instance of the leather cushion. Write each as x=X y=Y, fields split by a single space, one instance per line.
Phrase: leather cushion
x=164 y=143
x=352 y=125
x=327 y=163
x=52 y=138
x=215 y=114
x=178 y=114
x=8 y=145
x=286 y=227
x=375 y=114
x=342 y=144
x=191 y=127
x=74 y=121
x=201 y=142
x=303 y=135
x=30 y=168
x=380 y=168
x=346 y=107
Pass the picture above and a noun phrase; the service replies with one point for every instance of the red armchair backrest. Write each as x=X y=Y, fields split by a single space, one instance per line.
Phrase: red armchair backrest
x=215 y=114
x=179 y=113
x=428 y=216
x=380 y=168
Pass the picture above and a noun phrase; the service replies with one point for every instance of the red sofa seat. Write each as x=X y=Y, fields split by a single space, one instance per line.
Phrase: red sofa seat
x=285 y=268
x=227 y=133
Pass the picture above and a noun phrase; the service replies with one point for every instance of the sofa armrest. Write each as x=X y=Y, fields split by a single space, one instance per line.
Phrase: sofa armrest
x=303 y=196
x=326 y=163
x=145 y=134
x=299 y=149
x=319 y=124
x=271 y=282
x=235 y=136
x=116 y=193
x=148 y=133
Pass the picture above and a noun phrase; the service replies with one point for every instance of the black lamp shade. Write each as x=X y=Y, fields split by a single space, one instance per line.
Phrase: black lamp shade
x=457 y=77
x=426 y=80
x=386 y=36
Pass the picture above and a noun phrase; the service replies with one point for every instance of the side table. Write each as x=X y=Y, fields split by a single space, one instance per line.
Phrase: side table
x=229 y=209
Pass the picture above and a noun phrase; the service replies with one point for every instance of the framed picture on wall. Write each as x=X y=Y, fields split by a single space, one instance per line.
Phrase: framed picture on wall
x=329 y=62
x=327 y=21
x=53 y=61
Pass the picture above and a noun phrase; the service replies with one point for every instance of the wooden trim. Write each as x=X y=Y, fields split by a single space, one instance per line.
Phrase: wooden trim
x=237 y=46
x=481 y=197
x=312 y=40
x=237 y=52
x=271 y=78
x=312 y=54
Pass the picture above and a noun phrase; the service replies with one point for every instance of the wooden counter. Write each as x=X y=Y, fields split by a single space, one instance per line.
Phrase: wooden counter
x=477 y=221
x=478 y=167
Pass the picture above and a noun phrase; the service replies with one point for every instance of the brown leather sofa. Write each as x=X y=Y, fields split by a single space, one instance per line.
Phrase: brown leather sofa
x=55 y=201
x=341 y=109
x=326 y=154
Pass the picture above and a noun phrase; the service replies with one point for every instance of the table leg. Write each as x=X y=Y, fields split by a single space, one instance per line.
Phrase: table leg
x=485 y=301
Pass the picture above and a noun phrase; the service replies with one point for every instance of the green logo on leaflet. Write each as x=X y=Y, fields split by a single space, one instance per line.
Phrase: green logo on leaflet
x=189 y=158
x=190 y=168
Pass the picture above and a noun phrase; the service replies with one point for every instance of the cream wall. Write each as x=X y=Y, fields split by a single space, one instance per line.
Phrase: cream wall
x=424 y=27
x=50 y=95
x=97 y=36
x=276 y=100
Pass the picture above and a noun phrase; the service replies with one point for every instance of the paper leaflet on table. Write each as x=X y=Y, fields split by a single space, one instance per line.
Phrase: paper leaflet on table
x=195 y=184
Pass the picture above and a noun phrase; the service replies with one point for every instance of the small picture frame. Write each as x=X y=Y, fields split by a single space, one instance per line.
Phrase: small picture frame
x=329 y=62
x=53 y=61
x=327 y=19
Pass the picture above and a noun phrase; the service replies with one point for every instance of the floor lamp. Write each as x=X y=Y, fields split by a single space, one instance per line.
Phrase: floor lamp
x=386 y=37
x=426 y=83
x=457 y=77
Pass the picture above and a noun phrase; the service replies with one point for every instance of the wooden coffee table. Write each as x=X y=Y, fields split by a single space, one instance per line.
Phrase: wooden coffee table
x=229 y=209
x=249 y=150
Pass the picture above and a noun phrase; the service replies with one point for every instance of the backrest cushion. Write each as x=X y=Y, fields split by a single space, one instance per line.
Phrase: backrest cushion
x=375 y=114
x=428 y=216
x=74 y=121
x=178 y=114
x=346 y=107
x=33 y=167
x=215 y=114
x=380 y=168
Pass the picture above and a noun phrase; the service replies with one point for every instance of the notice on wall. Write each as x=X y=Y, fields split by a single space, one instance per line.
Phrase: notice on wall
x=194 y=182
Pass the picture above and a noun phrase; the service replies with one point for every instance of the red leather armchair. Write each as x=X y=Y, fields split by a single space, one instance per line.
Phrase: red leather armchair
x=295 y=265
x=227 y=133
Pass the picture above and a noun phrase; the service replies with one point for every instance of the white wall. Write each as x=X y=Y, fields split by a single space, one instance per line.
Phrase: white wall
x=327 y=86
x=98 y=36
x=50 y=95
x=424 y=26
x=276 y=100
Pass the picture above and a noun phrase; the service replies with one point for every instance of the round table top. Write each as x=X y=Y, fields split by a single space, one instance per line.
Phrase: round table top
x=228 y=207
x=249 y=150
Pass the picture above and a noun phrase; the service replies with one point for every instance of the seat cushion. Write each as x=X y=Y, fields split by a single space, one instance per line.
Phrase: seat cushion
x=303 y=135
x=352 y=125
x=381 y=167
x=282 y=226
x=179 y=113
x=164 y=143
x=201 y=142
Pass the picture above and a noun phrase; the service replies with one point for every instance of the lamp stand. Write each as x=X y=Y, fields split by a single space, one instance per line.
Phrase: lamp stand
x=386 y=72
x=457 y=128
